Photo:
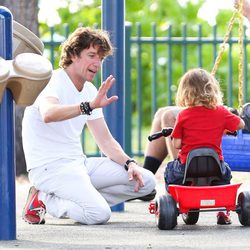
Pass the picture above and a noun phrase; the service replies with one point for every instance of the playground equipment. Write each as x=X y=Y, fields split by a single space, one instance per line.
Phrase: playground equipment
x=21 y=80
x=200 y=192
x=24 y=41
x=26 y=75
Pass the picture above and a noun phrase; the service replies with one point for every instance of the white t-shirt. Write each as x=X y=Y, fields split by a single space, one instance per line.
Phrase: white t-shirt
x=45 y=143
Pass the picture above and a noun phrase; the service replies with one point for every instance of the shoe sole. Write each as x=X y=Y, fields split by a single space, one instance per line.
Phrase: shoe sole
x=148 y=197
x=29 y=222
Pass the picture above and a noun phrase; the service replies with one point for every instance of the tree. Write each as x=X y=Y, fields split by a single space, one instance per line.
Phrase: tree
x=26 y=13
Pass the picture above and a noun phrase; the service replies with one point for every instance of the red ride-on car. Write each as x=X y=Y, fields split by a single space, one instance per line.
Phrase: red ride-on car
x=201 y=192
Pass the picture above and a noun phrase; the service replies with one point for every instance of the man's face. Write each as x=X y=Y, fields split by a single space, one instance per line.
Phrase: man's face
x=88 y=63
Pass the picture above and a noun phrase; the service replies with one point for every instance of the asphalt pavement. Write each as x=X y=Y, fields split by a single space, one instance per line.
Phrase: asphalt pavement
x=134 y=228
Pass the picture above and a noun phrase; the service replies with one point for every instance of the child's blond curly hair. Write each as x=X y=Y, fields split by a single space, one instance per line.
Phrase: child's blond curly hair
x=198 y=88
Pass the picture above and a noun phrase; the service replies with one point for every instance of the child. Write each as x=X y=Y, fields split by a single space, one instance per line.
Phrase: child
x=201 y=124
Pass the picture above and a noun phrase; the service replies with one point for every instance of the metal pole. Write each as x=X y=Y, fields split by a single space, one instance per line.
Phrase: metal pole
x=113 y=21
x=7 y=140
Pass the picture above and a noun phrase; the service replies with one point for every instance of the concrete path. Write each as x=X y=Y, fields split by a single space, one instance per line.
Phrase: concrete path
x=134 y=228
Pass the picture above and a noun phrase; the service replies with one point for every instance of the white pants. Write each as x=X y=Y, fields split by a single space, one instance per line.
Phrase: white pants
x=84 y=190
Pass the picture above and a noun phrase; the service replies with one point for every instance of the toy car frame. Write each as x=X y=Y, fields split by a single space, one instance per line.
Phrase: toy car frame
x=203 y=184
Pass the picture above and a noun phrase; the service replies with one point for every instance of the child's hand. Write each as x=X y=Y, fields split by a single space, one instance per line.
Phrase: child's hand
x=227 y=132
x=233 y=110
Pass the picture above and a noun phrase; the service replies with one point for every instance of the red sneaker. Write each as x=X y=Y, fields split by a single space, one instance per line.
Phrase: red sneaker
x=223 y=218
x=34 y=209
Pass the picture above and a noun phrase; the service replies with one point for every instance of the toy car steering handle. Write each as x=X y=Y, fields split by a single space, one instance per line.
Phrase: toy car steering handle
x=164 y=132
x=232 y=133
x=167 y=131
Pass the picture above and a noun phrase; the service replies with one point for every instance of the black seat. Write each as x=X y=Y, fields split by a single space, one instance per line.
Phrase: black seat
x=203 y=168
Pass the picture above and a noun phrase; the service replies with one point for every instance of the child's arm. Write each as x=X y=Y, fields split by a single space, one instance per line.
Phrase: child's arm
x=241 y=124
x=177 y=143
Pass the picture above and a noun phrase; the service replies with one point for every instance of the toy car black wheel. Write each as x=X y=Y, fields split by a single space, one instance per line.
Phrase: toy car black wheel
x=166 y=212
x=244 y=205
x=190 y=218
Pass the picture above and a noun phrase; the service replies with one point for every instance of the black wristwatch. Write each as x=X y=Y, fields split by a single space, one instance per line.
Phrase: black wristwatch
x=85 y=108
x=127 y=163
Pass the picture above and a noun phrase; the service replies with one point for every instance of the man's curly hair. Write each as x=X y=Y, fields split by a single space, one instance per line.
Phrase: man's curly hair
x=83 y=38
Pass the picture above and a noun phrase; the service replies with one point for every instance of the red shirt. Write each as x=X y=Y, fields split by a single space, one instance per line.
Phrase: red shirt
x=203 y=127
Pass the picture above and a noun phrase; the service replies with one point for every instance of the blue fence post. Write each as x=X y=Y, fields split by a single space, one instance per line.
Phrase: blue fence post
x=113 y=21
x=7 y=140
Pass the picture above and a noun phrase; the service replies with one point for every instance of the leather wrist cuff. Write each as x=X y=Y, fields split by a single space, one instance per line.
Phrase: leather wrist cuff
x=85 y=108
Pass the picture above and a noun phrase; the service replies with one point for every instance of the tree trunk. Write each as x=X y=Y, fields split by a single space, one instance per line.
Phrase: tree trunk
x=24 y=12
